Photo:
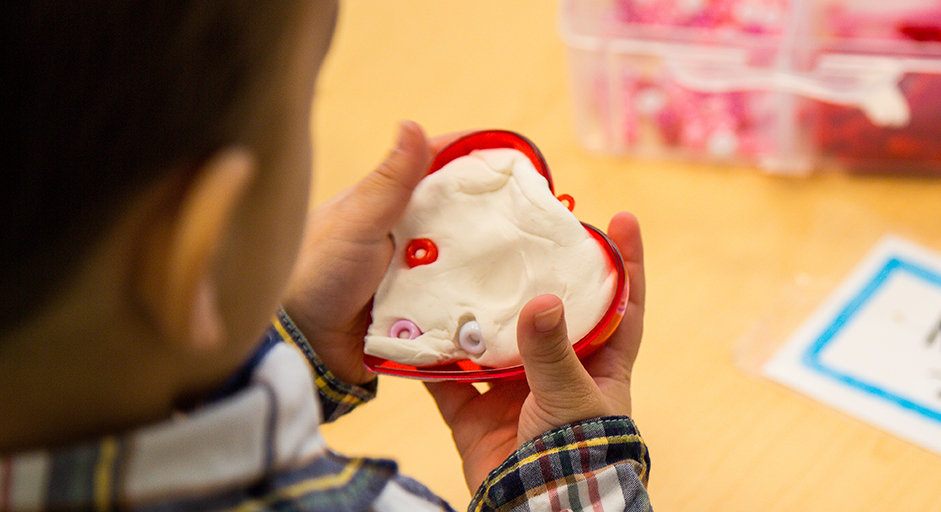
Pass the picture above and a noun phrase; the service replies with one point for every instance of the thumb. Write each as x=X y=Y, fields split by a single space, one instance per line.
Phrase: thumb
x=382 y=195
x=562 y=391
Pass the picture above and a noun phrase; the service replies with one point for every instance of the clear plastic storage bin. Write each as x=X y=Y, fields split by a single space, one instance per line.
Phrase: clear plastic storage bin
x=788 y=86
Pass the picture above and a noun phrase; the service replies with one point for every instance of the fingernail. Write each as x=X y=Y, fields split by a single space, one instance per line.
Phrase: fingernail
x=548 y=319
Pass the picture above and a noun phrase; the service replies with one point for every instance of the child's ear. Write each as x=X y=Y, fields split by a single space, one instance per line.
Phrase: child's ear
x=178 y=284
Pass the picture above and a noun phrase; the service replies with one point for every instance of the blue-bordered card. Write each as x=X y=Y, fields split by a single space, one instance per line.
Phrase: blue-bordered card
x=873 y=348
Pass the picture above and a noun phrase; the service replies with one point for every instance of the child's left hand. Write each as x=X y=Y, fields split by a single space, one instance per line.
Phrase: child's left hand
x=559 y=389
x=345 y=253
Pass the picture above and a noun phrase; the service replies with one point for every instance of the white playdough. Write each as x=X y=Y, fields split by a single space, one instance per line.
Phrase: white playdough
x=502 y=239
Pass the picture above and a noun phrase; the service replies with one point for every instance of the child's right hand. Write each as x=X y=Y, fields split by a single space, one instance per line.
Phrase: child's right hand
x=346 y=250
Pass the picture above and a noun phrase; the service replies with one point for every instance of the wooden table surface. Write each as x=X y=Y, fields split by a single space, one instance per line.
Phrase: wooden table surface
x=734 y=258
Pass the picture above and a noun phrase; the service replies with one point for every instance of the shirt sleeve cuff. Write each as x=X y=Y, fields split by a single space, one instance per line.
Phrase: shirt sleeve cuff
x=336 y=397
x=602 y=460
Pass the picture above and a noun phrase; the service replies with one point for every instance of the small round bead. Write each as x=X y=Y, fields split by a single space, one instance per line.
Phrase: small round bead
x=471 y=338
x=404 y=329
x=420 y=251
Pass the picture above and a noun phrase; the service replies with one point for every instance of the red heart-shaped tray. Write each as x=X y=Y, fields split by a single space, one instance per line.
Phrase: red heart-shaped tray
x=466 y=370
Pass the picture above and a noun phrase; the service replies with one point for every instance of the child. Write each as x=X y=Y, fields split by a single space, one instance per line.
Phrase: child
x=163 y=157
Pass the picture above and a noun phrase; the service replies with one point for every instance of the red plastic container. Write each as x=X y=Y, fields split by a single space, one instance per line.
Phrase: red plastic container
x=466 y=370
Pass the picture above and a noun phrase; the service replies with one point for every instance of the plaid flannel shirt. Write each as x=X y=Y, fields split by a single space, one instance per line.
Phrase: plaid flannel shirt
x=257 y=448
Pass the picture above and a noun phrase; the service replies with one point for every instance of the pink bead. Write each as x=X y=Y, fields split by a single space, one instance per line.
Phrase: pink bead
x=404 y=329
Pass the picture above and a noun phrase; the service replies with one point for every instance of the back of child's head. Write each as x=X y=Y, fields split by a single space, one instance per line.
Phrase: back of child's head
x=102 y=98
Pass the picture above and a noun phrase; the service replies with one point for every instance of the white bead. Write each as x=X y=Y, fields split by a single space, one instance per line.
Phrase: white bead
x=471 y=338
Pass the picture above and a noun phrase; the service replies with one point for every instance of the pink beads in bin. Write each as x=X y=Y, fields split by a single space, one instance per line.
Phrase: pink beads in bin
x=791 y=87
x=743 y=16
x=712 y=126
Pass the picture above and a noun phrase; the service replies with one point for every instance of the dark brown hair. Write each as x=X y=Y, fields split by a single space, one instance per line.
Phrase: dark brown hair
x=102 y=96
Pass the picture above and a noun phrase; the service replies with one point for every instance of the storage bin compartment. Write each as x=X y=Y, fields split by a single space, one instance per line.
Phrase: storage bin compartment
x=788 y=87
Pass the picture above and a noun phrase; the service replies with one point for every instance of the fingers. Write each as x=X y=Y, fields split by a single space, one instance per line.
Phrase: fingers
x=451 y=397
x=613 y=363
x=562 y=389
x=544 y=345
x=382 y=195
x=624 y=230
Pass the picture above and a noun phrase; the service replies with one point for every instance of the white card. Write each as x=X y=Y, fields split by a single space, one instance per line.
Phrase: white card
x=873 y=348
